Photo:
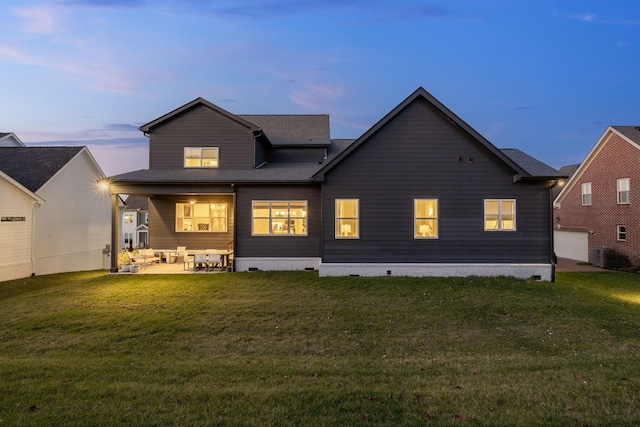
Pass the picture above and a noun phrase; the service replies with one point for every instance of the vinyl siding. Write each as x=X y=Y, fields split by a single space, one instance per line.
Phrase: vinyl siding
x=201 y=127
x=278 y=246
x=162 y=224
x=296 y=154
x=420 y=155
x=16 y=262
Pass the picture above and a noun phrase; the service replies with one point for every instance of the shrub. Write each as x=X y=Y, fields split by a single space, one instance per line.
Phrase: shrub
x=616 y=260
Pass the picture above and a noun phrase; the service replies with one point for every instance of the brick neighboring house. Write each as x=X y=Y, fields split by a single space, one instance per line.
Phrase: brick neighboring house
x=599 y=207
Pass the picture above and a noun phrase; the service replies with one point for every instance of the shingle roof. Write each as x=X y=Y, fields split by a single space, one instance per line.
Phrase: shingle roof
x=293 y=130
x=631 y=132
x=534 y=167
x=137 y=202
x=34 y=166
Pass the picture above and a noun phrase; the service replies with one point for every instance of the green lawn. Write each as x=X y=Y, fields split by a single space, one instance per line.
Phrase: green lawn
x=293 y=349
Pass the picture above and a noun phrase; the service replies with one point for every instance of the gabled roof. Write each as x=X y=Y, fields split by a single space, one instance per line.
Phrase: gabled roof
x=421 y=93
x=21 y=188
x=9 y=139
x=630 y=134
x=147 y=128
x=291 y=130
x=35 y=166
x=534 y=167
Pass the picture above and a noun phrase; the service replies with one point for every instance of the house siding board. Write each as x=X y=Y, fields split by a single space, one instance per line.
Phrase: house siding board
x=616 y=159
x=296 y=155
x=201 y=127
x=416 y=156
x=162 y=224
x=247 y=245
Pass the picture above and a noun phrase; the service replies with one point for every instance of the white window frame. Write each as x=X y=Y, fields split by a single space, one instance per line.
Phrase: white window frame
x=340 y=228
x=621 y=233
x=189 y=218
x=184 y=157
x=431 y=216
x=289 y=219
x=500 y=215
x=586 y=193
x=623 y=186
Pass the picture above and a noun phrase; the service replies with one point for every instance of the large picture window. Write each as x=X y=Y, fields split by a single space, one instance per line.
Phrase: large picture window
x=624 y=186
x=586 y=193
x=279 y=218
x=201 y=217
x=200 y=157
x=499 y=215
x=425 y=219
x=347 y=219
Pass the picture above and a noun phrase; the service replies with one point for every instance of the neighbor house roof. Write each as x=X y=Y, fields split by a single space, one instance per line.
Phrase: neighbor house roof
x=290 y=130
x=9 y=139
x=34 y=166
x=137 y=202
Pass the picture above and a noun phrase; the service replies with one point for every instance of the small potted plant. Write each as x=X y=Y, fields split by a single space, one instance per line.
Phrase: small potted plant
x=124 y=262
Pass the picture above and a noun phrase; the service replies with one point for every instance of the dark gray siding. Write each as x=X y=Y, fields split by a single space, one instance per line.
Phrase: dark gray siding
x=277 y=246
x=291 y=154
x=201 y=127
x=419 y=154
x=162 y=224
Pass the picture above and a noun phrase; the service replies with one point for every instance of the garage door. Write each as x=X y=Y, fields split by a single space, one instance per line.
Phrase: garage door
x=572 y=245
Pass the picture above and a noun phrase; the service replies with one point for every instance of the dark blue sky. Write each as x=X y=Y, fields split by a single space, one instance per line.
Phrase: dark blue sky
x=546 y=77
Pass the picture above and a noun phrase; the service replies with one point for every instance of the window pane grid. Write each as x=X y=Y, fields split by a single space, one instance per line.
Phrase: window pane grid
x=279 y=218
x=624 y=187
x=201 y=157
x=347 y=219
x=586 y=193
x=500 y=215
x=425 y=219
x=201 y=217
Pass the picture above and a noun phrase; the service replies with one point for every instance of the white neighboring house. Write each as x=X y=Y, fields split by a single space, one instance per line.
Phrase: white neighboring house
x=72 y=227
x=17 y=206
x=9 y=139
x=135 y=223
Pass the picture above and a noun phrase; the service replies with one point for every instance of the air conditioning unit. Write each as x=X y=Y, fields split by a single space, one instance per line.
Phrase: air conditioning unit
x=599 y=256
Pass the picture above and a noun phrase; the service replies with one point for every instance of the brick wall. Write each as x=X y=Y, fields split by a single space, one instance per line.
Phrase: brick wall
x=615 y=159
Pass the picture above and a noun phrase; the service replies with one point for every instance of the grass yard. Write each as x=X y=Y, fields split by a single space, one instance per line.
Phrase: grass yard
x=293 y=349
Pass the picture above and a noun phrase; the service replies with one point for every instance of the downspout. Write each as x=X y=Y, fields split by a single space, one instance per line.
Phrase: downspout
x=36 y=205
x=235 y=229
x=554 y=259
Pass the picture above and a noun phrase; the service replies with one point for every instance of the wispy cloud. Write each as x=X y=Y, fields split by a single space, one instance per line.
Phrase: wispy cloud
x=38 y=19
x=596 y=19
x=316 y=97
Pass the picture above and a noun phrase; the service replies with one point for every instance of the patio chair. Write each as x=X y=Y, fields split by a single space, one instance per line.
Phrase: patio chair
x=200 y=260
x=214 y=260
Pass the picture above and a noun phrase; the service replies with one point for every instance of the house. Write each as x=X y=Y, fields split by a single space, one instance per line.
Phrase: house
x=64 y=219
x=599 y=206
x=135 y=220
x=420 y=193
x=17 y=206
x=9 y=139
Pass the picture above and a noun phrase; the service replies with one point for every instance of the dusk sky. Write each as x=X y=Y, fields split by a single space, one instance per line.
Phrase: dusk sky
x=546 y=77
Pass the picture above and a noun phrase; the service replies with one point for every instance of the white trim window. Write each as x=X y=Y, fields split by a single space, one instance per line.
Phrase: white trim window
x=201 y=157
x=624 y=188
x=425 y=218
x=279 y=218
x=499 y=214
x=586 y=194
x=621 y=233
x=347 y=219
x=201 y=217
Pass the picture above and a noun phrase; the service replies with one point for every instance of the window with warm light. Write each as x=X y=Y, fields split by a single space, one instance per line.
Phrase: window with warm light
x=128 y=218
x=624 y=186
x=499 y=215
x=622 y=233
x=586 y=194
x=425 y=219
x=347 y=219
x=201 y=217
x=200 y=157
x=279 y=218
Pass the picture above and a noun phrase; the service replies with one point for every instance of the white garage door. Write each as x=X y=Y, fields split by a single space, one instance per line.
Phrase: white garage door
x=572 y=245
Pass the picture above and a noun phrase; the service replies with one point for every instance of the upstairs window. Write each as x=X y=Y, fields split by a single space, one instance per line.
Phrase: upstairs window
x=622 y=233
x=425 y=219
x=586 y=194
x=201 y=217
x=624 y=186
x=499 y=215
x=200 y=157
x=347 y=219
x=128 y=218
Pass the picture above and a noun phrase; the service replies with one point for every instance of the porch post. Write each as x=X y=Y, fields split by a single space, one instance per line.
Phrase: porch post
x=114 y=233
